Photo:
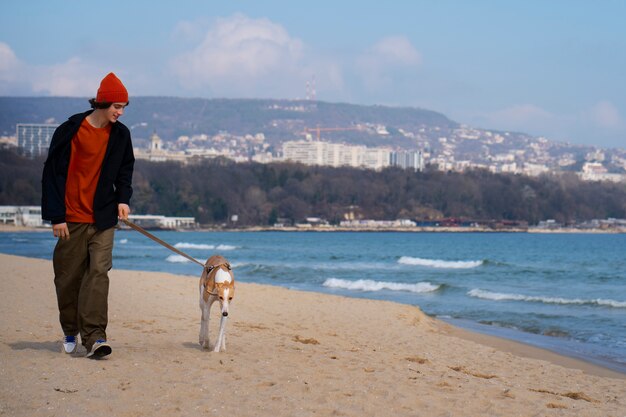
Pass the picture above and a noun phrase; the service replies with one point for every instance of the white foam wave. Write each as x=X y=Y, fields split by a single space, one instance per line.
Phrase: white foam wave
x=186 y=245
x=123 y=241
x=226 y=247
x=179 y=259
x=496 y=296
x=438 y=263
x=370 y=285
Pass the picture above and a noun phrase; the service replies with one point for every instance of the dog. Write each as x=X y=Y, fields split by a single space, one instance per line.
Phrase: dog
x=217 y=283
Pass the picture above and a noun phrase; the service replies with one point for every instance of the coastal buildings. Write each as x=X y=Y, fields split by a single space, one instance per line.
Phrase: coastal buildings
x=30 y=216
x=595 y=171
x=335 y=154
x=151 y=221
x=459 y=149
x=25 y=216
x=33 y=139
x=338 y=154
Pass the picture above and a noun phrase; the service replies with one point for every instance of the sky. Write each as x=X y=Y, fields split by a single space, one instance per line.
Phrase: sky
x=552 y=68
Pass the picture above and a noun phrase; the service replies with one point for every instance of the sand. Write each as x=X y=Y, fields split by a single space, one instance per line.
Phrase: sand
x=289 y=353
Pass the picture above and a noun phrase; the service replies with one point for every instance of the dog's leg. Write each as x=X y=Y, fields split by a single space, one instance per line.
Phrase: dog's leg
x=221 y=339
x=204 y=328
x=204 y=324
x=202 y=334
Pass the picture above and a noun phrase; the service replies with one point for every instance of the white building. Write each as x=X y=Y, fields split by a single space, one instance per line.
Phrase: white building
x=534 y=170
x=595 y=171
x=33 y=139
x=335 y=154
x=162 y=222
x=28 y=216
x=408 y=160
x=305 y=152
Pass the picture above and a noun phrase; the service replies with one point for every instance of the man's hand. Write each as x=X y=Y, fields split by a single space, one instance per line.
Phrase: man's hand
x=123 y=211
x=60 y=230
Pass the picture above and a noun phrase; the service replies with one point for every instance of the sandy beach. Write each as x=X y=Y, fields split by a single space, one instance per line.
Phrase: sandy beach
x=289 y=353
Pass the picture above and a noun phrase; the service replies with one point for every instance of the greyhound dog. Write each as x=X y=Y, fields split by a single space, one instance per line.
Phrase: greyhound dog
x=216 y=283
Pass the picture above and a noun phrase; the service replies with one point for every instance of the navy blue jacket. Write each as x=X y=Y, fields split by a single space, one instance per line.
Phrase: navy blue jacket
x=114 y=184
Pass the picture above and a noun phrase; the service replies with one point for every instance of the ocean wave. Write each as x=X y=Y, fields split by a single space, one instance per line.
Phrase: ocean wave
x=179 y=259
x=370 y=285
x=123 y=241
x=496 y=296
x=186 y=245
x=438 y=263
x=226 y=247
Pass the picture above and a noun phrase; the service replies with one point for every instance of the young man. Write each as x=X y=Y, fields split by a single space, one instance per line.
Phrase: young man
x=86 y=186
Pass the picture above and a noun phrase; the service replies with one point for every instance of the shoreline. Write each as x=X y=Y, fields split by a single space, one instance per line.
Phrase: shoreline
x=552 y=345
x=476 y=332
x=416 y=229
x=555 y=352
x=288 y=352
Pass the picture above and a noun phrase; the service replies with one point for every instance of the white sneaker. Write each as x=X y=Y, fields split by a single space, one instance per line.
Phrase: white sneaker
x=99 y=349
x=69 y=344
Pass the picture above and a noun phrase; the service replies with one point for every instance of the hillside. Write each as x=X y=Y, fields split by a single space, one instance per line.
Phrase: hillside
x=261 y=194
x=172 y=117
x=445 y=143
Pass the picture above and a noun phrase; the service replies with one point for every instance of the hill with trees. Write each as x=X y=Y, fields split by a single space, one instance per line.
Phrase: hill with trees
x=172 y=117
x=260 y=194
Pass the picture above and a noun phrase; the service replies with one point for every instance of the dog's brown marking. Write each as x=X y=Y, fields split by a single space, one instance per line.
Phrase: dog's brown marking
x=212 y=265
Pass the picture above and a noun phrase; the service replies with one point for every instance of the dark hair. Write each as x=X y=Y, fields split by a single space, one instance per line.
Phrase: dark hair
x=101 y=105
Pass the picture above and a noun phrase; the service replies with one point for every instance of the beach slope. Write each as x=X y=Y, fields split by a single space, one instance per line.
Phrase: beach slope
x=289 y=353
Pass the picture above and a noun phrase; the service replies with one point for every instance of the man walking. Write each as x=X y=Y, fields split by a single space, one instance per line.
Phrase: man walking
x=86 y=186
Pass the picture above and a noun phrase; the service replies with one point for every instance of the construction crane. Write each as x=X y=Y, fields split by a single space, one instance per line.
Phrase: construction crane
x=328 y=129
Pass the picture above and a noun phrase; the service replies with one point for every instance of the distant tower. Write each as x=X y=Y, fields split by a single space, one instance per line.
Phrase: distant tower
x=310 y=89
x=156 y=144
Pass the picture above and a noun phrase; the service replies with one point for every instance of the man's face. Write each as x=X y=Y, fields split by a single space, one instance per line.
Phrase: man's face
x=115 y=111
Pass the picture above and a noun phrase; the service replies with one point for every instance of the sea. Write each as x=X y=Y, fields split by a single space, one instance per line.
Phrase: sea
x=562 y=292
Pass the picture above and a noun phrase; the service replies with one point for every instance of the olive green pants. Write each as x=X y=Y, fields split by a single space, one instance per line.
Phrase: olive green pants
x=81 y=265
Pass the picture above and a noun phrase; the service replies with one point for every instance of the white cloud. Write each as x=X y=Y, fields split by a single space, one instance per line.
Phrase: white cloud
x=237 y=52
x=12 y=74
x=605 y=115
x=9 y=63
x=71 y=78
x=396 y=50
x=379 y=65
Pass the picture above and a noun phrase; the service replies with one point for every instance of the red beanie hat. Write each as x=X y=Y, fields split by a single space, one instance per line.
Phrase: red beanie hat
x=112 y=90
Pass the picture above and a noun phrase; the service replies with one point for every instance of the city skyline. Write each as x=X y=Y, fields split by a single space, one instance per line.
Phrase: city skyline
x=550 y=69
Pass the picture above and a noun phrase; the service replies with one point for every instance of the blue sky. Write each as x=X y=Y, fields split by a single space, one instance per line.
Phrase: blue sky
x=549 y=68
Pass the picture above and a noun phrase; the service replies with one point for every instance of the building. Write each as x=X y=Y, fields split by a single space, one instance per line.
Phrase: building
x=28 y=216
x=335 y=154
x=595 y=171
x=150 y=221
x=157 y=153
x=305 y=152
x=408 y=160
x=33 y=140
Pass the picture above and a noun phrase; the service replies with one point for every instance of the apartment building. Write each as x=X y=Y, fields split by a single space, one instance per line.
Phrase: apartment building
x=33 y=139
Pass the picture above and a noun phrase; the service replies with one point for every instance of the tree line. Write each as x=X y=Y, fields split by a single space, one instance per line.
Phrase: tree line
x=260 y=194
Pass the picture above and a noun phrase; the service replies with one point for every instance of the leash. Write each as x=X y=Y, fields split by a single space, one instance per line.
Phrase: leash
x=159 y=241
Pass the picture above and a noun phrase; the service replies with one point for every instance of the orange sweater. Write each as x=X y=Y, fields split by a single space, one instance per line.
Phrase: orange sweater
x=88 y=149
